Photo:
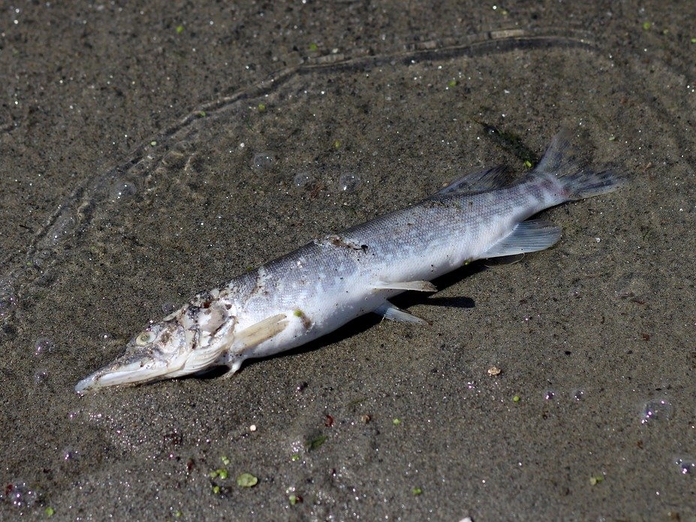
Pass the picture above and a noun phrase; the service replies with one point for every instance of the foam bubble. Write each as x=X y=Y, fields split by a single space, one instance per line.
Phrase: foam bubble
x=40 y=377
x=303 y=180
x=686 y=466
x=349 y=182
x=8 y=299
x=121 y=190
x=263 y=161
x=43 y=346
x=656 y=410
x=19 y=494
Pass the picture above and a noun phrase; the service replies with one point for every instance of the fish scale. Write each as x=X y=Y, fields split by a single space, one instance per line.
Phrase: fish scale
x=334 y=279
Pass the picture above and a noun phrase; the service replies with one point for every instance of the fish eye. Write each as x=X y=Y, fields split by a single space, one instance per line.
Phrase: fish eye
x=145 y=338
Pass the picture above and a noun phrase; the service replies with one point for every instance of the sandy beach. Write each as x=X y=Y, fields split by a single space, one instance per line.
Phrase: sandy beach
x=152 y=150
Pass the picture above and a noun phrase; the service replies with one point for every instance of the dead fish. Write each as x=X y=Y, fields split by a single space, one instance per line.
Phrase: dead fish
x=332 y=280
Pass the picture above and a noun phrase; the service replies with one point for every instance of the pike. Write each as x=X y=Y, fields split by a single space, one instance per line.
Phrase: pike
x=332 y=280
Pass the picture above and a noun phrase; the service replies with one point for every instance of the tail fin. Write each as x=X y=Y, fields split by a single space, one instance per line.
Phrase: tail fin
x=564 y=162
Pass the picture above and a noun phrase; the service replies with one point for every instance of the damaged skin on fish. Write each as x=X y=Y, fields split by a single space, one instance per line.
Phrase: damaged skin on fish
x=330 y=281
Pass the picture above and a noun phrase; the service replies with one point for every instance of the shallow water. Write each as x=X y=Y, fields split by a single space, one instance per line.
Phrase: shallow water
x=593 y=413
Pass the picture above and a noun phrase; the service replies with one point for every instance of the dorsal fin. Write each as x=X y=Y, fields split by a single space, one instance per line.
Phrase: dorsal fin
x=478 y=182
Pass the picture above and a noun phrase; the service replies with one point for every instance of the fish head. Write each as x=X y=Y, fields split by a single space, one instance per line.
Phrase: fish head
x=190 y=340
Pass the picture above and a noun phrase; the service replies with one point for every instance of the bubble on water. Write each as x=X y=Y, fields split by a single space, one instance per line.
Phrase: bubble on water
x=70 y=454
x=549 y=395
x=40 y=376
x=349 y=182
x=263 y=161
x=62 y=228
x=169 y=307
x=303 y=180
x=578 y=395
x=43 y=346
x=686 y=466
x=656 y=410
x=8 y=299
x=121 y=190
x=19 y=494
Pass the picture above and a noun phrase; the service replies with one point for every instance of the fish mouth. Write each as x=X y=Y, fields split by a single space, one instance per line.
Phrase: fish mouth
x=141 y=369
x=120 y=373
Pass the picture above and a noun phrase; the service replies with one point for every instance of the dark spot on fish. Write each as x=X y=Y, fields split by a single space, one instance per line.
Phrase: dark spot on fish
x=164 y=338
x=341 y=242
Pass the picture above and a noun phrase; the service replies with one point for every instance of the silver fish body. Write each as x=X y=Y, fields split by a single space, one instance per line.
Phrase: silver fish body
x=330 y=281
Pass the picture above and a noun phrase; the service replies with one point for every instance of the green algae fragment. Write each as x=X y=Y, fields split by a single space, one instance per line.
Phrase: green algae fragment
x=216 y=490
x=516 y=398
x=221 y=473
x=693 y=40
x=527 y=164
x=337 y=144
x=452 y=83
x=179 y=29
x=247 y=480
x=293 y=500
x=317 y=442
x=417 y=491
x=313 y=47
x=295 y=457
x=646 y=25
x=178 y=513
x=261 y=107
x=396 y=422
x=596 y=480
x=225 y=460
x=49 y=511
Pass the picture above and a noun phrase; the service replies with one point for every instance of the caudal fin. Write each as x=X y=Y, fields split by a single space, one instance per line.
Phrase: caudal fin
x=564 y=162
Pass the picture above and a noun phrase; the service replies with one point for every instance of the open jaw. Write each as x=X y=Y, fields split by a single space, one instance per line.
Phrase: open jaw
x=126 y=371
x=141 y=368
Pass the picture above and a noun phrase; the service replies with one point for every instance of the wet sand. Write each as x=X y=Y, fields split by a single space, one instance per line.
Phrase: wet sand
x=151 y=151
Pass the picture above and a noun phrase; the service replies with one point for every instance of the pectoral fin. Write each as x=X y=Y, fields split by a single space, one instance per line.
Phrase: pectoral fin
x=418 y=286
x=259 y=332
x=394 y=313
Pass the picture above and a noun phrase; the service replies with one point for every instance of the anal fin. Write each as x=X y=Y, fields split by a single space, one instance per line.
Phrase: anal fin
x=418 y=286
x=394 y=313
x=527 y=236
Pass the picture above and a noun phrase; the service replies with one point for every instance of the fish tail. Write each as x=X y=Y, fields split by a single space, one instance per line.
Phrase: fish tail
x=565 y=163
